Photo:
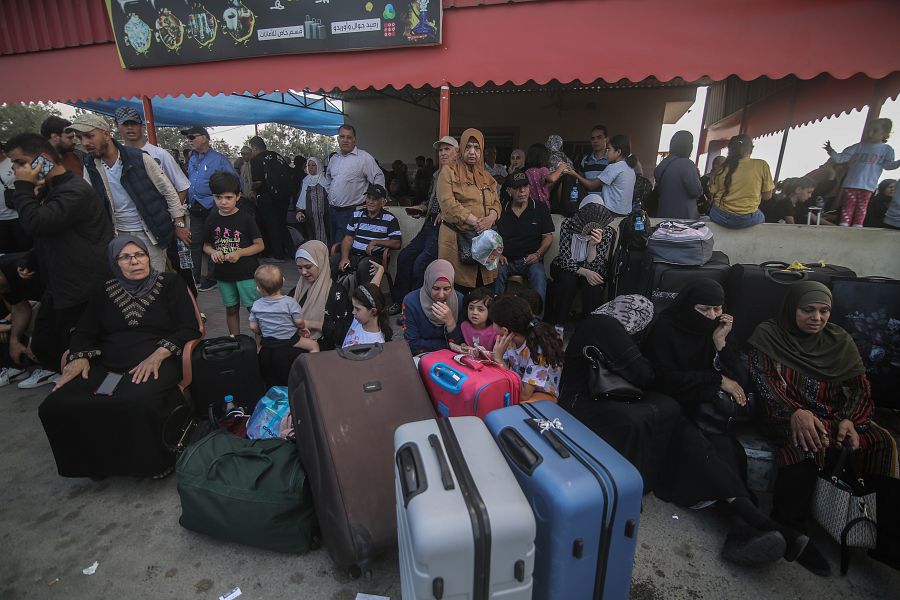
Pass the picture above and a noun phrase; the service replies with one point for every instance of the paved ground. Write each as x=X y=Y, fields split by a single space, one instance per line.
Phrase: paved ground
x=51 y=528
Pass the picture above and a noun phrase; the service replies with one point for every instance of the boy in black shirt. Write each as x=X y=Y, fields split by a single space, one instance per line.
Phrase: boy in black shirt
x=232 y=242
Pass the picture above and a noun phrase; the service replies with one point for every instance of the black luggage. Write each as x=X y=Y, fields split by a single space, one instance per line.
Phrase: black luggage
x=347 y=404
x=225 y=366
x=868 y=308
x=755 y=292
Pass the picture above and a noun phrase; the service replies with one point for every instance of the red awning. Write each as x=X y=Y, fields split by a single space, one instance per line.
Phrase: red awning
x=565 y=40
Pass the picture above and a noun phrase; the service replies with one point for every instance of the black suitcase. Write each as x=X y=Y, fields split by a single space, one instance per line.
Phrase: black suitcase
x=868 y=308
x=755 y=292
x=225 y=366
x=666 y=279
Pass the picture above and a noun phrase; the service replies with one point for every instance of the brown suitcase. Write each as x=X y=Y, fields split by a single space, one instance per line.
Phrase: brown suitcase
x=346 y=405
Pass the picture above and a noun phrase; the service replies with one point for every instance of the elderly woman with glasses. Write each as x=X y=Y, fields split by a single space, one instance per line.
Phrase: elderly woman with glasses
x=106 y=414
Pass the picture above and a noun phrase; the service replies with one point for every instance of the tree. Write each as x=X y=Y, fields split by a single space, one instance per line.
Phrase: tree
x=170 y=137
x=223 y=147
x=23 y=118
x=290 y=142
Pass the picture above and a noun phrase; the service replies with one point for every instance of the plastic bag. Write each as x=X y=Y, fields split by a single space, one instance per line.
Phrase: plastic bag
x=268 y=420
x=487 y=248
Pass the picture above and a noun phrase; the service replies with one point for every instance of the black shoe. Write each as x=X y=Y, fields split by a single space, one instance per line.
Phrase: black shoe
x=753 y=549
x=394 y=309
x=795 y=547
x=209 y=284
x=813 y=561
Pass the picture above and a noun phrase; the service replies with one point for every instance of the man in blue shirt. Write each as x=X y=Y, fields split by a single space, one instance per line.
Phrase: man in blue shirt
x=593 y=164
x=203 y=163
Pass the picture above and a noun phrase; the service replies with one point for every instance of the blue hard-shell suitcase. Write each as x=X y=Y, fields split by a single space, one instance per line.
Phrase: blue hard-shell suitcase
x=586 y=499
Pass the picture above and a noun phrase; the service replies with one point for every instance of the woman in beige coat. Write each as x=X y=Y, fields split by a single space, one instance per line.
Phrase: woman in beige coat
x=469 y=202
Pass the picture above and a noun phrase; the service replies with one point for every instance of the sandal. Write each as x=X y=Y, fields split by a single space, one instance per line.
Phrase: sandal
x=164 y=474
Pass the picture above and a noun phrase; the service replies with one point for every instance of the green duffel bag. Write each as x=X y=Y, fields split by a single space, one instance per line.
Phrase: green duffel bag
x=252 y=492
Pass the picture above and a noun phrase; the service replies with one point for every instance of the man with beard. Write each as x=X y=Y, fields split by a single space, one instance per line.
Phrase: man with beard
x=61 y=137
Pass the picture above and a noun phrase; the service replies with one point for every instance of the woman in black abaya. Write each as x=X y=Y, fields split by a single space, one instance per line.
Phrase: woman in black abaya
x=687 y=347
x=136 y=326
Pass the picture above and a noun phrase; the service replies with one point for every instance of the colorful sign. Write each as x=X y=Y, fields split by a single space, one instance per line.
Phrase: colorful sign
x=151 y=33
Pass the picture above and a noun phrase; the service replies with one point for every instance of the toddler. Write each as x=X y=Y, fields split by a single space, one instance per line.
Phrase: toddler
x=476 y=329
x=277 y=319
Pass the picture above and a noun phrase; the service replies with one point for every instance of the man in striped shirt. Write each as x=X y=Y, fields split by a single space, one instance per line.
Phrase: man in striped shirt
x=370 y=231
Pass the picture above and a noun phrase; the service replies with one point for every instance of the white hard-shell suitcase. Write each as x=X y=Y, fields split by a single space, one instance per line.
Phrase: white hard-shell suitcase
x=464 y=527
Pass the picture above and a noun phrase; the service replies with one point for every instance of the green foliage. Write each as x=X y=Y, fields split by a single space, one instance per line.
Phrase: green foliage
x=23 y=118
x=170 y=137
x=225 y=148
x=289 y=141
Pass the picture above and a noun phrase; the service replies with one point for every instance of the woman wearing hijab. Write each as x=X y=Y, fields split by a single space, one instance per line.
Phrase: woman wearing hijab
x=326 y=303
x=136 y=326
x=687 y=347
x=678 y=180
x=581 y=264
x=431 y=313
x=815 y=396
x=468 y=197
x=638 y=429
x=312 y=203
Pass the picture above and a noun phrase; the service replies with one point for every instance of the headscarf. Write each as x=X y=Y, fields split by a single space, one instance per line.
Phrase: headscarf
x=309 y=181
x=317 y=292
x=557 y=156
x=521 y=153
x=681 y=144
x=589 y=217
x=700 y=291
x=475 y=175
x=438 y=269
x=829 y=355
x=138 y=288
x=633 y=311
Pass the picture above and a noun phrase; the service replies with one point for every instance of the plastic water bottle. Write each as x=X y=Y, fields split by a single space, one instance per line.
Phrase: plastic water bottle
x=229 y=403
x=573 y=195
x=184 y=256
x=638 y=222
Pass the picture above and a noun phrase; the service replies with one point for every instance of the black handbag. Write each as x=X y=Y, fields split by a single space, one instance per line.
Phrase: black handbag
x=718 y=415
x=604 y=382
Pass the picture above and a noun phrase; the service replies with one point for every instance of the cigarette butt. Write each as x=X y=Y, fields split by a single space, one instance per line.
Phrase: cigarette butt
x=52 y=583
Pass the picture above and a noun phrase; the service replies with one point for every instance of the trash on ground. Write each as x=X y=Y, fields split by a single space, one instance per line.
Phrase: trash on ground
x=675 y=517
x=52 y=583
x=361 y=596
x=232 y=594
x=91 y=569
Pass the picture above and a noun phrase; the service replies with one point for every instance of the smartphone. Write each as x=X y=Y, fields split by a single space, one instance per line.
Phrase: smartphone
x=44 y=165
x=109 y=384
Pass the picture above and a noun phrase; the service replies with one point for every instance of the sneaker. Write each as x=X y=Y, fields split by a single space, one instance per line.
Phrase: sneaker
x=10 y=374
x=38 y=378
x=394 y=309
x=209 y=284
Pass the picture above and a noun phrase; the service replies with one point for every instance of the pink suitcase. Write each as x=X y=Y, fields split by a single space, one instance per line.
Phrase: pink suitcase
x=461 y=386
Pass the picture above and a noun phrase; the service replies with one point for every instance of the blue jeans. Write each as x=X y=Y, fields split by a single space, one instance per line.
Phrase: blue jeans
x=536 y=275
x=340 y=218
x=729 y=219
x=414 y=259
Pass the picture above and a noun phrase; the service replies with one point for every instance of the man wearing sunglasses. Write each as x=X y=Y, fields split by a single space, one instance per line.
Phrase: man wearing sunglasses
x=203 y=163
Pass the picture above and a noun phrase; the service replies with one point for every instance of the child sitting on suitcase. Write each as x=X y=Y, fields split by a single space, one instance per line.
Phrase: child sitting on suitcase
x=276 y=319
x=528 y=347
x=232 y=241
x=370 y=319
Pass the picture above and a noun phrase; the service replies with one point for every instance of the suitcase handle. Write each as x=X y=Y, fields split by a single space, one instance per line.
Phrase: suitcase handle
x=785 y=277
x=219 y=349
x=518 y=451
x=446 y=476
x=551 y=437
x=775 y=263
x=360 y=351
x=244 y=453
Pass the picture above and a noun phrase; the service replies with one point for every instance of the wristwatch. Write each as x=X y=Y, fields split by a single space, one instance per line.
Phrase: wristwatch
x=180 y=225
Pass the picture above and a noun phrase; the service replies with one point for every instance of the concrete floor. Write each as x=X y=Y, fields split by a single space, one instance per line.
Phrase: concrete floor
x=51 y=528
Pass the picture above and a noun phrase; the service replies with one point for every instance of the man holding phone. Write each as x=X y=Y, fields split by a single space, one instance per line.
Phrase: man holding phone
x=71 y=230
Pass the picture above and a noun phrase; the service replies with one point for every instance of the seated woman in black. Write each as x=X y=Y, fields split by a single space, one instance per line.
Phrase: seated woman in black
x=693 y=363
x=640 y=430
x=137 y=326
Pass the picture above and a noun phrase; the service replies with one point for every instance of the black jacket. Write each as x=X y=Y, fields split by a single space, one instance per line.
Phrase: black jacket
x=71 y=231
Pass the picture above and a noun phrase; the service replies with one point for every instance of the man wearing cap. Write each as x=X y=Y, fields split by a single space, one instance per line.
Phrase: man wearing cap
x=371 y=230
x=527 y=232
x=141 y=200
x=350 y=172
x=57 y=131
x=204 y=161
x=423 y=249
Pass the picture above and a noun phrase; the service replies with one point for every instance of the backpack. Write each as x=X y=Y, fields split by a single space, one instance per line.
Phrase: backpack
x=279 y=175
x=634 y=230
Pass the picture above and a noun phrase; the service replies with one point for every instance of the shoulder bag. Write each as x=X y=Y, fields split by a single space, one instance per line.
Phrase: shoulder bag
x=464 y=239
x=604 y=382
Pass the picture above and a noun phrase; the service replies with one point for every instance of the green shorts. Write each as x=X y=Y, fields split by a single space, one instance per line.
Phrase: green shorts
x=241 y=292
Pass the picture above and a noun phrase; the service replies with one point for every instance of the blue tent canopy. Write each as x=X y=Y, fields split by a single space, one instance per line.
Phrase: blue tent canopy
x=313 y=113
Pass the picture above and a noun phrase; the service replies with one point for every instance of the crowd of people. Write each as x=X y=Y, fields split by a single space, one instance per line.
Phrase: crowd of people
x=110 y=239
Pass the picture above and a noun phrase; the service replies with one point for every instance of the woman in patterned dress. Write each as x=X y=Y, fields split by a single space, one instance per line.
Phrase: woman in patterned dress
x=137 y=326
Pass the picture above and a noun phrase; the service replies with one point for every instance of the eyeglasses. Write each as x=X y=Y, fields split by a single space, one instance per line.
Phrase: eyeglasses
x=127 y=258
x=194 y=136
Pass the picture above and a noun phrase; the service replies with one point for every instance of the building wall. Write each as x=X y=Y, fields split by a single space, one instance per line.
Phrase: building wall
x=391 y=129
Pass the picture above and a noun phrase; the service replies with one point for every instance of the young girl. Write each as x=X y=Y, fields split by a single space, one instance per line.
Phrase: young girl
x=528 y=347
x=370 y=320
x=476 y=329
x=618 y=177
x=867 y=161
x=791 y=205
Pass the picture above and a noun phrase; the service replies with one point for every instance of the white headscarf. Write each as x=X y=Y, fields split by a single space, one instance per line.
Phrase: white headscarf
x=633 y=311
x=309 y=181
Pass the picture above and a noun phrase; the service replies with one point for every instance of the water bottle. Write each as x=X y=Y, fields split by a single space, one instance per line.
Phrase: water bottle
x=184 y=256
x=638 y=222
x=573 y=195
x=229 y=403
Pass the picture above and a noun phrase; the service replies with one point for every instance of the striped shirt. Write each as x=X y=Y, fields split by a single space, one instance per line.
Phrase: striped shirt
x=364 y=229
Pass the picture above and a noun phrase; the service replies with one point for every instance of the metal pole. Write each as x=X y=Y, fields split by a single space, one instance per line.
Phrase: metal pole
x=148 y=118
x=701 y=143
x=787 y=127
x=256 y=128
x=445 y=111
